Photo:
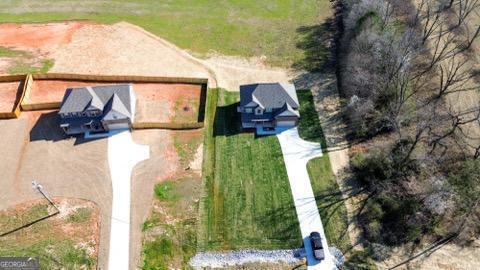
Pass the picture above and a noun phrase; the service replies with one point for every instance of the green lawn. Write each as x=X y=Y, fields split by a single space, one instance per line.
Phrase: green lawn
x=25 y=62
x=235 y=27
x=329 y=201
x=327 y=193
x=248 y=202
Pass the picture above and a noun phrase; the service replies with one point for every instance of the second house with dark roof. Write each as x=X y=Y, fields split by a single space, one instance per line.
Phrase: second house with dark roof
x=268 y=107
x=97 y=109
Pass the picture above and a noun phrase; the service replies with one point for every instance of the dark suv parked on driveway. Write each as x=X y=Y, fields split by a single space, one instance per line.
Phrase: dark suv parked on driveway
x=317 y=247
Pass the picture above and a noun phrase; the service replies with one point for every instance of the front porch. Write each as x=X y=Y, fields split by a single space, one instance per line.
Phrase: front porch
x=269 y=130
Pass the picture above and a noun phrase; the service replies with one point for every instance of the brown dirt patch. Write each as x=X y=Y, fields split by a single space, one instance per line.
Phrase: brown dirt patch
x=9 y=91
x=123 y=49
x=450 y=256
x=45 y=91
x=167 y=102
x=43 y=37
x=233 y=71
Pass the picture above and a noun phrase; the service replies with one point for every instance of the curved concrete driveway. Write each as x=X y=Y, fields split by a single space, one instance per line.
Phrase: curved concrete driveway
x=296 y=153
x=123 y=155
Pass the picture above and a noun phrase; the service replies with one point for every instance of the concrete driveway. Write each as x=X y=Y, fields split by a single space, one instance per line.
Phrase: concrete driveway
x=123 y=155
x=296 y=153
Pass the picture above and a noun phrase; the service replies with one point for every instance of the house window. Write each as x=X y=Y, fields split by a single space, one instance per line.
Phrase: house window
x=248 y=110
x=268 y=110
x=258 y=111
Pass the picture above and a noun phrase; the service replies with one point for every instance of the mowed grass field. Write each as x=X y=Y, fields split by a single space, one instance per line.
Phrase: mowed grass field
x=234 y=27
x=248 y=202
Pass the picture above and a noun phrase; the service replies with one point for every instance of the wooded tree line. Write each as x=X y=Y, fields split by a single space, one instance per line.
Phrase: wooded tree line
x=400 y=65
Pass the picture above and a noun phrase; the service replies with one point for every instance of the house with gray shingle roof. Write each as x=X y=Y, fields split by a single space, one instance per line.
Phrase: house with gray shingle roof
x=268 y=107
x=97 y=109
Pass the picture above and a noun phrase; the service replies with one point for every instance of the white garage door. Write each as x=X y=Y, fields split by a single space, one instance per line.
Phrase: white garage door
x=118 y=126
x=286 y=123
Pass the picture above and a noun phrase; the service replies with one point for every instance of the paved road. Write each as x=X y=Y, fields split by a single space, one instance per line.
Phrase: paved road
x=296 y=153
x=123 y=155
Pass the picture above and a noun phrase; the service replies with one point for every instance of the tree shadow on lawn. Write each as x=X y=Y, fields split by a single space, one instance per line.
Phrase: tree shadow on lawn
x=277 y=218
x=317 y=43
x=317 y=72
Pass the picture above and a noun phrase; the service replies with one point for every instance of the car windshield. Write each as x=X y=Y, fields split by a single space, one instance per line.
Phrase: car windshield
x=317 y=243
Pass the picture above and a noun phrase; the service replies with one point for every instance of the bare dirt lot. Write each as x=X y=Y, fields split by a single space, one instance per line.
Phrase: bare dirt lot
x=177 y=103
x=34 y=148
x=8 y=95
x=156 y=102
x=38 y=37
x=46 y=91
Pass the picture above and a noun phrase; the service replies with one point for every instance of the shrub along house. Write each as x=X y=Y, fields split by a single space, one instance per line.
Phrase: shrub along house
x=97 y=109
x=268 y=107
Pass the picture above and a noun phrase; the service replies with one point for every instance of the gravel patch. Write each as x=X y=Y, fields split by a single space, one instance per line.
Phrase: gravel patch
x=339 y=259
x=223 y=259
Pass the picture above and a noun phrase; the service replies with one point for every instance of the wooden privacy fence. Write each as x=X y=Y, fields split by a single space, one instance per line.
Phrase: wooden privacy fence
x=23 y=101
x=22 y=80
x=29 y=106
x=118 y=78
x=149 y=125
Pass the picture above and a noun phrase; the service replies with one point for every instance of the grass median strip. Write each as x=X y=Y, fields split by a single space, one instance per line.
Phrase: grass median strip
x=248 y=202
x=325 y=188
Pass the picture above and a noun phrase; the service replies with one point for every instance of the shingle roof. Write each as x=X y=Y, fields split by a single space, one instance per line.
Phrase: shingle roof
x=79 y=99
x=117 y=109
x=288 y=111
x=269 y=95
x=95 y=102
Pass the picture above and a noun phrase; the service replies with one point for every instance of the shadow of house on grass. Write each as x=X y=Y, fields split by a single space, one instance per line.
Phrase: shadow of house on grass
x=47 y=128
x=227 y=121
x=202 y=104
